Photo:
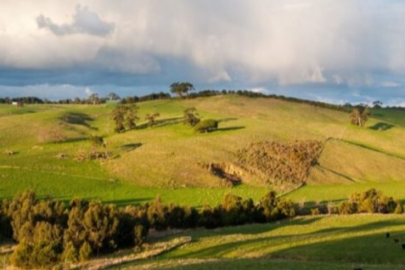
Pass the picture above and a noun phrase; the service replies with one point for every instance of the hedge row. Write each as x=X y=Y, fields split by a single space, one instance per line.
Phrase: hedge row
x=48 y=232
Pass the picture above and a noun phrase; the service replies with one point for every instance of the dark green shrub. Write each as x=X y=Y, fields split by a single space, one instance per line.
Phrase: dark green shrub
x=191 y=116
x=92 y=223
x=369 y=201
x=140 y=233
x=315 y=212
x=6 y=231
x=42 y=249
x=48 y=232
x=125 y=118
x=210 y=218
x=206 y=125
x=286 y=208
x=85 y=251
x=272 y=208
x=70 y=253
x=191 y=217
x=399 y=209
x=235 y=211
x=158 y=215
x=345 y=208
x=21 y=212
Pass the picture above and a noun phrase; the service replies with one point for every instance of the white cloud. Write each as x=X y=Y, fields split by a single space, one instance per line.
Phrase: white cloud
x=258 y=90
x=390 y=84
x=88 y=91
x=287 y=42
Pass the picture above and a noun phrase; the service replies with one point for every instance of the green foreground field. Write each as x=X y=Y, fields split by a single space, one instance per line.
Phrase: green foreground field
x=164 y=160
x=316 y=243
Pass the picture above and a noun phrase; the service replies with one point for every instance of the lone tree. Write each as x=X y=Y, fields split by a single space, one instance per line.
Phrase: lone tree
x=191 y=117
x=125 y=118
x=94 y=98
x=151 y=118
x=113 y=96
x=377 y=104
x=359 y=115
x=181 y=88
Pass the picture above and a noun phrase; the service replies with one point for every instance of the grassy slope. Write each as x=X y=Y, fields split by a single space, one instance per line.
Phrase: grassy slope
x=331 y=242
x=168 y=155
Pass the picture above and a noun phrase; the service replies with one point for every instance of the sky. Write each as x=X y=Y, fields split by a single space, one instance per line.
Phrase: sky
x=325 y=50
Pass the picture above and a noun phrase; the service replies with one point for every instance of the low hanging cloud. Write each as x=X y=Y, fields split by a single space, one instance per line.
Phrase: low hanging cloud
x=84 y=22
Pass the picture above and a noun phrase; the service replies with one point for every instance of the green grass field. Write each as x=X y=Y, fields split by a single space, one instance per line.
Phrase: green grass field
x=316 y=243
x=164 y=160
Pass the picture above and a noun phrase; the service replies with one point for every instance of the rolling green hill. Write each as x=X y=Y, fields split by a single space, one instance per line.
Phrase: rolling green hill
x=167 y=159
x=313 y=243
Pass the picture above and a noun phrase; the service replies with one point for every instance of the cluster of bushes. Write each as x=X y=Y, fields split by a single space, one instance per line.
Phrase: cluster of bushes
x=280 y=163
x=192 y=119
x=48 y=232
x=125 y=118
x=25 y=100
x=233 y=211
x=370 y=201
x=162 y=95
x=152 y=96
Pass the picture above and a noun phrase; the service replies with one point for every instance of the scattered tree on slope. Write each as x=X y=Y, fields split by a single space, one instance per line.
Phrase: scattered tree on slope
x=125 y=118
x=360 y=115
x=181 y=88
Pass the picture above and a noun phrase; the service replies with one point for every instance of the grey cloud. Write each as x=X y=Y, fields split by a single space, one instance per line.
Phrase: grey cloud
x=324 y=44
x=84 y=21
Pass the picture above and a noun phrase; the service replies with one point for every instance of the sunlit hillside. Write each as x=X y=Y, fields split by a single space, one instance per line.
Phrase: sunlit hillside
x=168 y=159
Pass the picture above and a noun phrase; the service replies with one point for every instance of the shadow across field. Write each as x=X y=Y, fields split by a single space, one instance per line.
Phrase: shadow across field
x=229 y=128
x=162 y=122
x=266 y=264
x=336 y=244
x=76 y=118
x=382 y=126
x=372 y=149
x=130 y=147
x=227 y=120
x=127 y=202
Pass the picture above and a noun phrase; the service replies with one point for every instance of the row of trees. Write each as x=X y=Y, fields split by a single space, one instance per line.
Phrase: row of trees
x=48 y=232
x=182 y=89
x=125 y=117
x=370 y=201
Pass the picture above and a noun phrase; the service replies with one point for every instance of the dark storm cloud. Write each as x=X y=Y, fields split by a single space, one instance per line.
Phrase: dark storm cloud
x=348 y=49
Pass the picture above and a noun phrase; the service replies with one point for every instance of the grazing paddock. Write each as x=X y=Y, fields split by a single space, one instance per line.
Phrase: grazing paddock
x=323 y=243
x=166 y=159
